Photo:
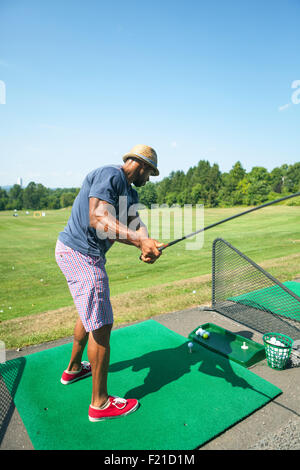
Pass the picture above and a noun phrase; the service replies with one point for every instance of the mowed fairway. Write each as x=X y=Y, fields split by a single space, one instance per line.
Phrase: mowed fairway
x=32 y=284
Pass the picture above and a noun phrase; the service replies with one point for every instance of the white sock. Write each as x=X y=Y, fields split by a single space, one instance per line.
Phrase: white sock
x=103 y=407
x=73 y=371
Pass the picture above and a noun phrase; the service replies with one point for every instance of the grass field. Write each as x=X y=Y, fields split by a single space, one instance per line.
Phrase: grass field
x=35 y=303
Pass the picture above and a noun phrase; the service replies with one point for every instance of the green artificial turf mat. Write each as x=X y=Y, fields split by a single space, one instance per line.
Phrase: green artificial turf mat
x=273 y=299
x=186 y=398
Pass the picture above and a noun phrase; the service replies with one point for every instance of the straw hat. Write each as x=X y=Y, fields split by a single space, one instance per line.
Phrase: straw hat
x=144 y=153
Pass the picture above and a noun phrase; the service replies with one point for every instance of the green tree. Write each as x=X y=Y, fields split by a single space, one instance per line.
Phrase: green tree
x=53 y=202
x=259 y=174
x=277 y=176
x=42 y=194
x=184 y=197
x=257 y=192
x=67 y=199
x=177 y=181
x=31 y=197
x=292 y=178
x=147 y=194
x=15 y=197
x=3 y=199
x=230 y=192
x=171 y=198
x=196 y=194
x=237 y=172
x=163 y=188
x=213 y=185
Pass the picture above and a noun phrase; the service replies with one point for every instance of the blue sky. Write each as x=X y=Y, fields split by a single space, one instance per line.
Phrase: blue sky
x=85 y=81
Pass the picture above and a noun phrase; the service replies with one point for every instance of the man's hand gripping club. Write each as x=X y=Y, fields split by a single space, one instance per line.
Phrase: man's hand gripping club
x=107 y=226
x=150 y=252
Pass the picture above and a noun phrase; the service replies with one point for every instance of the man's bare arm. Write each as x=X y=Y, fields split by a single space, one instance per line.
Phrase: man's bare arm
x=136 y=223
x=103 y=220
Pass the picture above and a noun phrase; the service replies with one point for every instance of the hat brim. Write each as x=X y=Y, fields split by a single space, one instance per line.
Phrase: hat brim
x=133 y=155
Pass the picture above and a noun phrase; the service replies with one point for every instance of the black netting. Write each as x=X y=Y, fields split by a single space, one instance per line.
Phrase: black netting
x=245 y=292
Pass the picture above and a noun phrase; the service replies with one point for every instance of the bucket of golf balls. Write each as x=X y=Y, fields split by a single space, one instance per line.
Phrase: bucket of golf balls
x=278 y=349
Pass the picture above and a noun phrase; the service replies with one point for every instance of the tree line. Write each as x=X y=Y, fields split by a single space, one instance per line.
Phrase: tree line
x=206 y=184
x=201 y=184
x=36 y=196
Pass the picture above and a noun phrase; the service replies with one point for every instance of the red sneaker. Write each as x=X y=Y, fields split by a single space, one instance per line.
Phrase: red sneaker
x=116 y=407
x=70 y=377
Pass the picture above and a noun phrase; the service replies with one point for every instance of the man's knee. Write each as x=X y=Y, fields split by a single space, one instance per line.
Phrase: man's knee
x=102 y=335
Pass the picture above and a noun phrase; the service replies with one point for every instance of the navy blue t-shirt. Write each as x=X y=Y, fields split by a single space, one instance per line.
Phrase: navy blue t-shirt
x=109 y=184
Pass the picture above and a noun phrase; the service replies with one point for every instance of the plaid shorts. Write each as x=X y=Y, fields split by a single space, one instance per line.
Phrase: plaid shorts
x=88 y=283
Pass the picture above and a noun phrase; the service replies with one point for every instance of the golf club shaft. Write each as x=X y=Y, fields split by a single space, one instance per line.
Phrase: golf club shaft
x=227 y=219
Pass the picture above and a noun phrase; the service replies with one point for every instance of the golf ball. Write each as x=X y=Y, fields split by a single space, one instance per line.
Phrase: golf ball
x=205 y=334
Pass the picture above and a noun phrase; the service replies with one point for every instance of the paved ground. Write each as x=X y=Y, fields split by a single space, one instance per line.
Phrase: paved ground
x=276 y=426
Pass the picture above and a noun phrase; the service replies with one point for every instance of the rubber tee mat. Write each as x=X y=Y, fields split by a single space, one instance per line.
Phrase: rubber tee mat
x=186 y=398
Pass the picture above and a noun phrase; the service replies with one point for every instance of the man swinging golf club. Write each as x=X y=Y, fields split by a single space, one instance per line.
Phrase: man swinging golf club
x=96 y=221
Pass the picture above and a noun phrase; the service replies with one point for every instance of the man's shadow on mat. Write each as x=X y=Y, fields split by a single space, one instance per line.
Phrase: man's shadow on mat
x=168 y=365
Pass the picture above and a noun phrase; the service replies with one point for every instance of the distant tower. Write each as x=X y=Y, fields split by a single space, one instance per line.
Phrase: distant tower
x=19 y=181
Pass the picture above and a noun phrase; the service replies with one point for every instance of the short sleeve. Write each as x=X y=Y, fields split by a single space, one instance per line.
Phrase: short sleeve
x=107 y=185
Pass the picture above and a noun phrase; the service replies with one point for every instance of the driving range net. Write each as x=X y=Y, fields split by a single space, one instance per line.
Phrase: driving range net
x=246 y=293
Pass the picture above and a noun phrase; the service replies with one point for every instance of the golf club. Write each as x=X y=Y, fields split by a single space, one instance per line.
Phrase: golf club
x=227 y=219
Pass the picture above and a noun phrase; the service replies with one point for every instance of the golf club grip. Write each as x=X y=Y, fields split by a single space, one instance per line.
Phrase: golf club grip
x=161 y=248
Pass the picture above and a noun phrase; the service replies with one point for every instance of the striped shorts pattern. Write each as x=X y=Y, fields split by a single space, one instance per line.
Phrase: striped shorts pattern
x=88 y=283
